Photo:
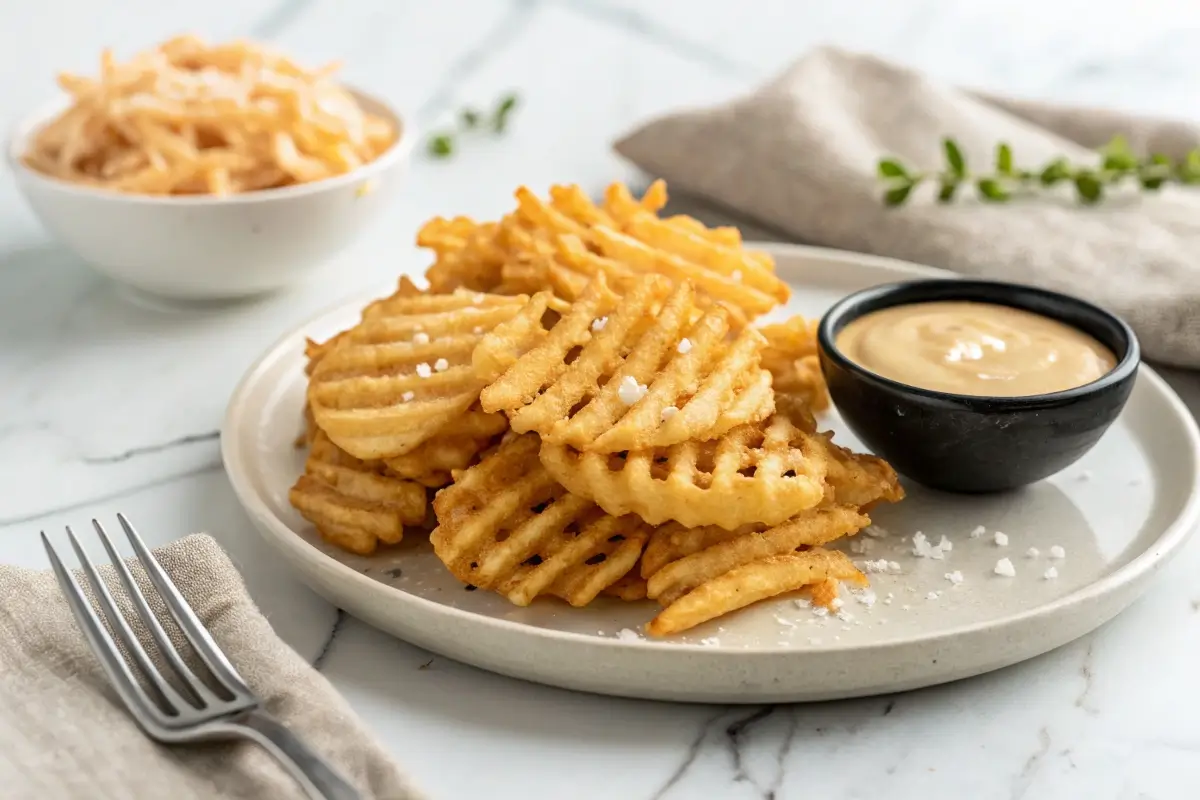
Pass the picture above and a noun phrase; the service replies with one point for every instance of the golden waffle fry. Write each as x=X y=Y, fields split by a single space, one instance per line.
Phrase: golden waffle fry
x=352 y=503
x=677 y=559
x=468 y=255
x=630 y=588
x=791 y=358
x=854 y=479
x=749 y=583
x=765 y=473
x=506 y=525
x=451 y=449
x=404 y=373
x=648 y=371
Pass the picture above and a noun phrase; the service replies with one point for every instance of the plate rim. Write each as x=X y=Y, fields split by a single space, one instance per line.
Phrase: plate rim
x=1153 y=556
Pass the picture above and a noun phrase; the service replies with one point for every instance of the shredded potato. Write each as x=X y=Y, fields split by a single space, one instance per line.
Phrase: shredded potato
x=192 y=118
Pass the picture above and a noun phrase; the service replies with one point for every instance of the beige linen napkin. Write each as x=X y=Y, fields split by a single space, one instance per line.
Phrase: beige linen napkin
x=65 y=735
x=800 y=155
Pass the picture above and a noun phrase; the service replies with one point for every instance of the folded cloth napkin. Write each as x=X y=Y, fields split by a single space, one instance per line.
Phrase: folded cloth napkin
x=65 y=735
x=800 y=154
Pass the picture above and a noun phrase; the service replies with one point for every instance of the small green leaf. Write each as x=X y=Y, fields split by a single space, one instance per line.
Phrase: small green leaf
x=946 y=192
x=1151 y=182
x=1117 y=157
x=502 y=112
x=1155 y=173
x=441 y=145
x=990 y=189
x=954 y=157
x=1089 y=187
x=1189 y=170
x=1057 y=170
x=897 y=194
x=1004 y=159
x=890 y=168
x=469 y=117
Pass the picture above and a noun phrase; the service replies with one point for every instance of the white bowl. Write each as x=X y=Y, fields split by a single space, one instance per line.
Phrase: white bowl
x=201 y=247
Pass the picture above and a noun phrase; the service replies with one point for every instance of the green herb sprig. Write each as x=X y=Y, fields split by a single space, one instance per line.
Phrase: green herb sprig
x=1118 y=165
x=442 y=143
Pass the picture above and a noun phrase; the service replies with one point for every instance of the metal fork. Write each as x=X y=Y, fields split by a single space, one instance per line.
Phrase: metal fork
x=165 y=714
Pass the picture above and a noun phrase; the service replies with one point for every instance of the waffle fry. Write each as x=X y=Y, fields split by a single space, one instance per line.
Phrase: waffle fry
x=761 y=473
x=630 y=588
x=678 y=559
x=451 y=449
x=352 y=503
x=404 y=373
x=791 y=358
x=506 y=525
x=750 y=583
x=603 y=376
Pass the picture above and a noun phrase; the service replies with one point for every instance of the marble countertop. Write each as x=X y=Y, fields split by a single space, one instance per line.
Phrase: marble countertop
x=109 y=405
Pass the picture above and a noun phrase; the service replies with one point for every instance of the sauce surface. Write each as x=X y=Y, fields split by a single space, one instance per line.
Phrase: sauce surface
x=979 y=349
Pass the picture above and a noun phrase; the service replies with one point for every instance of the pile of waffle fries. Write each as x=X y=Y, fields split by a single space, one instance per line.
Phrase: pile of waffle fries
x=585 y=397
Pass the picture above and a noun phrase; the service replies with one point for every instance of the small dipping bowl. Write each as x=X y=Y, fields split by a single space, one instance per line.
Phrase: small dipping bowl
x=966 y=443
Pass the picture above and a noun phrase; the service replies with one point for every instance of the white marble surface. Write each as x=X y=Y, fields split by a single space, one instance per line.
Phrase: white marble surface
x=106 y=405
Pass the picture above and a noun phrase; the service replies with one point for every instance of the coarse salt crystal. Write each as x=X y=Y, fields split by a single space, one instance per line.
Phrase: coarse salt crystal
x=887 y=601
x=685 y=346
x=408 y=396
x=945 y=545
x=905 y=607
x=874 y=566
x=441 y=365
x=802 y=602
x=979 y=531
x=630 y=391
x=1032 y=552
x=1057 y=552
x=923 y=549
x=1001 y=539
x=627 y=635
x=1050 y=574
x=860 y=546
x=669 y=412
x=894 y=566
x=420 y=337
x=710 y=641
x=423 y=370
x=820 y=611
x=876 y=532
x=837 y=603
x=933 y=595
x=866 y=597
x=1005 y=567
x=598 y=324
x=787 y=623
x=955 y=577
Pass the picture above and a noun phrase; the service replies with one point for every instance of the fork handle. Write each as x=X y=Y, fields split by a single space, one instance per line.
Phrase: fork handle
x=320 y=780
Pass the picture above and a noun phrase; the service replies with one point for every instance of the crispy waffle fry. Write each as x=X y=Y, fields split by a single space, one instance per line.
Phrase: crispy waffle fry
x=404 y=373
x=749 y=583
x=352 y=503
x=678 y=559
x=506 y=525
x=603 y=376
x=451 y=449
x=761 y=473
x=791 y=358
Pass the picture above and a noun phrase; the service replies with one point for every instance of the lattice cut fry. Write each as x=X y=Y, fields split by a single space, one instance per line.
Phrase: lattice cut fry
x=404 y=373
x=791 y=357
x=765 y=473
x=451 y=449
x=604 y=375
x=677 y=559
x=750 y=583
x=506 y=525
x=630 y=588
x=354 y=504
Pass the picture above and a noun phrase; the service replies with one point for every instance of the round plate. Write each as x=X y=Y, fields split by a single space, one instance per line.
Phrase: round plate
x=1119 y=514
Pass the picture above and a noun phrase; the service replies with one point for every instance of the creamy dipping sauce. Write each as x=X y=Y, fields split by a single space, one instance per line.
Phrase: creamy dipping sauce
x=978 y=349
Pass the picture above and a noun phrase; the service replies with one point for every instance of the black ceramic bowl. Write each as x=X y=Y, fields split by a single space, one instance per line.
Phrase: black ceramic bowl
x=962 y=443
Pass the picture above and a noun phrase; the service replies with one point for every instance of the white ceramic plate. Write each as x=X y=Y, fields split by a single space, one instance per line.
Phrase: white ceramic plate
x=1119 y=514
